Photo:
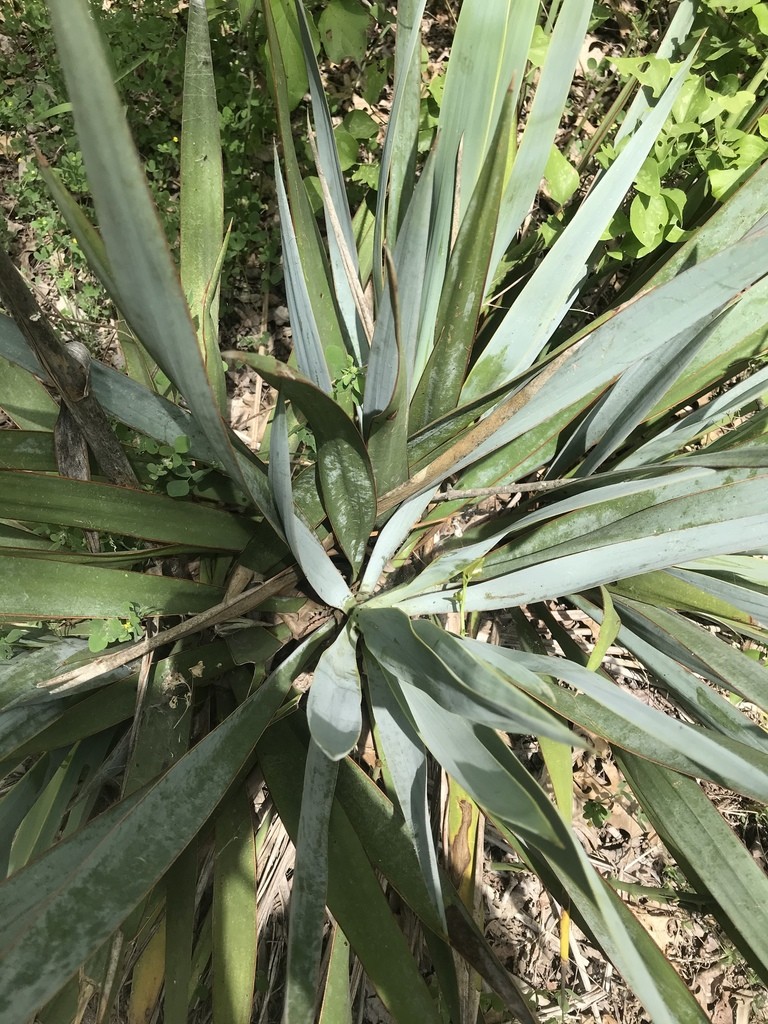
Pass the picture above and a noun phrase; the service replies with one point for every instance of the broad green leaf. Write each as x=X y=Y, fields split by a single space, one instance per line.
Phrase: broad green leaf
x=86 y=505
x=201 y=199
x=234 y=911
x=561 y=176
x=707 y=850
x=334 y=709
x=406 y=762
x=57 y=590
x=309 y=888
x=648 y=217
x=24 y=399
x=355 y=897
x=320 y=571
x=636 y=507
x=344 y=471
x=98 y=876
x=343 y=28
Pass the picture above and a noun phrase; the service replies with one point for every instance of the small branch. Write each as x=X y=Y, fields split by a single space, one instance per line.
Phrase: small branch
x=231 y=609
x=499 y=492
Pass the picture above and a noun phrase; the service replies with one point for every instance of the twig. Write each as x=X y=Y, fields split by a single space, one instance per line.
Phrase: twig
x=452 y=494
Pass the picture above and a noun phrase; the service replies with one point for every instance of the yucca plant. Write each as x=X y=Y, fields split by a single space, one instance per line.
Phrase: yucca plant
x=126 y=817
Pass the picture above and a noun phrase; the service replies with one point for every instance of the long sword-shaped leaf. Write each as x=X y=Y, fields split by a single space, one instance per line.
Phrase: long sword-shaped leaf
x=541 y=122
x=201 y=201
x=666 y=658
x=458 y=683
x=40 y=498
x=281 y=21
x=234 y=911
x=700 y=421
x=603 y=709
x=101 y=874
x=692 y=298
x=545 y=299
x=617 y=413
x=598 y=566
x=24 y=398
x=150 y=293
x=462 y=296
x=392 y=535
x=624 y=940
x=310 y=357
x=355 y=897
x=703 y=653
x=708 y=852
x=407 y=765
x=489 y=51
x=59 y=590
x=340 y=220
x=310 y=888
x=398 y=154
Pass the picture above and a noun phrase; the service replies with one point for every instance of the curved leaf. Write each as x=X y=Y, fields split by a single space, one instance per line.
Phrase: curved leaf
x=320 y=571
x=333 y=711
x=344 y=470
